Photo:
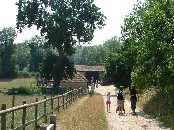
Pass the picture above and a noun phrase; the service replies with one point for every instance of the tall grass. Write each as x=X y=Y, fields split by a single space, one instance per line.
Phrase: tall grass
x=86 y=114
x=159 y=104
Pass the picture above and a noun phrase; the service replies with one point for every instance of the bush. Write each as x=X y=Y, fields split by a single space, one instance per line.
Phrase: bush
x=24 y=74
x=24 y=90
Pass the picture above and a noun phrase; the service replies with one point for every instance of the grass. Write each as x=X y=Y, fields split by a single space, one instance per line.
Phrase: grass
x=159 y=105
x=6 y=84
x=86 y=114
x=10 y=83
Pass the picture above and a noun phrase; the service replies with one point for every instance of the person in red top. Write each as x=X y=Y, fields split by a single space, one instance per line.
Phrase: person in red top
x=133 y=99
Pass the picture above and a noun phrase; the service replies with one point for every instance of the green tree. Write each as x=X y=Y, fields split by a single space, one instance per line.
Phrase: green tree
x=36 y=45
x=23 y=56
x=149 y=33
x=63 y=23
x=7 y=53
x=46 y=67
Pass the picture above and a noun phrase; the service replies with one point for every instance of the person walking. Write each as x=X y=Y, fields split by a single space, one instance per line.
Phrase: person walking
x=133 y=99
x=120 y=101
x=108 y=101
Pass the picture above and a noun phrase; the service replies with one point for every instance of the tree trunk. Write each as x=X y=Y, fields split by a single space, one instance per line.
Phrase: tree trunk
x=57 y=68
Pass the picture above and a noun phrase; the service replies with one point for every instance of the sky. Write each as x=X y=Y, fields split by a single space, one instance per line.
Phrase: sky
x=114 y=10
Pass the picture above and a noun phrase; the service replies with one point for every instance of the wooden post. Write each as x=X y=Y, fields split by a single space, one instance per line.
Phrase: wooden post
x=66 y=100
x=45 y=109
x=36 y=114
x=58 y=104
x=63 y=101
x=52 y=105
x=53 y=120
x=79 y=92
x=13 y=104
x=43 y=127
x=71 y=96
x=24 y=115
x=3 y=118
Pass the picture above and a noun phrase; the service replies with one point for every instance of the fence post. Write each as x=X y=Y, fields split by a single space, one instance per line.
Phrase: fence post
x=13 y=104
x=43 y=127
x=75 y=94
x=58 y=104
x=53 y=120
x=3 y=118
x=69 y=97
x=52 y=103
x=79 y=93
x=66 y=100
x=36 y=111
x=24 y=115
x=71 y=94
x=45 y=108
x=63 y=101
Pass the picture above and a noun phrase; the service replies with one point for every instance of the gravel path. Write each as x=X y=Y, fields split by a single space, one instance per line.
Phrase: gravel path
x=127 y=122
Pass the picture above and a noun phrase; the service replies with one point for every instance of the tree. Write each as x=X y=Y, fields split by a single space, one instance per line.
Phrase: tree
x=7 y=53
x=36 y=45
x=23 y=56
x=148 y=32
x=64 y=23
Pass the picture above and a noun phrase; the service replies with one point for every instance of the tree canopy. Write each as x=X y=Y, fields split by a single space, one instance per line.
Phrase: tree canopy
x=64 y=23
x=7 y=53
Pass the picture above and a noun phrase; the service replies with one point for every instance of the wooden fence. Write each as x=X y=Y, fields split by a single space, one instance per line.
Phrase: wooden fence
x=18 y=118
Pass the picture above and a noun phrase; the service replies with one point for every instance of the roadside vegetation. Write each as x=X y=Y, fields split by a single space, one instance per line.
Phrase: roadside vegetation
x=159 y=104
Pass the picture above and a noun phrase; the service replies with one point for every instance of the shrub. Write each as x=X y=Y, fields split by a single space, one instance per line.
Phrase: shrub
x=24 y=74
x=24 y=90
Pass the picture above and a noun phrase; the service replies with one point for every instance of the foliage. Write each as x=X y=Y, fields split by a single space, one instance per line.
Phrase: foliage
x=117 y=63
x=23 y=55
x=94 y=55
x=24 y=90
x=36 y=45
x=62 y=22
x=24 y=74
x=46 y=68
x=162 y=101
x=148 y=33
x=7 y=53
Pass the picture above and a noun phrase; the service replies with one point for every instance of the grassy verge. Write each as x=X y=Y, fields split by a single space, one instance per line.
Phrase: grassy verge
x=159 y=104
x=85 y=114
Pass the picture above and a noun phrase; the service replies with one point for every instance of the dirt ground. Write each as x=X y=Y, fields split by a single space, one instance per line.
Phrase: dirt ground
x=126 y=121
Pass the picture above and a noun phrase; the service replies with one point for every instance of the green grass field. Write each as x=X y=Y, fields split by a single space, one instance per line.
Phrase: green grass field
x=10 y=83
x=6 y=84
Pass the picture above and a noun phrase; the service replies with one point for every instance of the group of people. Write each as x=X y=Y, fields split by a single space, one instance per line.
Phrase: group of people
x=120 y=100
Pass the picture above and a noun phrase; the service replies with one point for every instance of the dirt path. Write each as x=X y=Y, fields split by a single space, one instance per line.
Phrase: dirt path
x=127 y=122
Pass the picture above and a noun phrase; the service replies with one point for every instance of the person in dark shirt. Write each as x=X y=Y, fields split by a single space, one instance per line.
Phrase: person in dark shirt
x=133 y=99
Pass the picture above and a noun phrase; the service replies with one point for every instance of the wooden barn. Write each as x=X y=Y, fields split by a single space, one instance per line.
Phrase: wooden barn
x=91 y=71
x=78 y=81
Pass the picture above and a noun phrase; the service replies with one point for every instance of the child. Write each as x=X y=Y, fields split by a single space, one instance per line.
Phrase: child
x=108 y=102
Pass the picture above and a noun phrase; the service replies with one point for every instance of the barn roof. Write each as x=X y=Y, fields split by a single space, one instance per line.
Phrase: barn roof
x=77 y=78
x=80 y=68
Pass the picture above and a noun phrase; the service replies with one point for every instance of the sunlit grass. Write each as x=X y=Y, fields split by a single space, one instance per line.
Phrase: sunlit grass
x=86 y=114
x=10 y=83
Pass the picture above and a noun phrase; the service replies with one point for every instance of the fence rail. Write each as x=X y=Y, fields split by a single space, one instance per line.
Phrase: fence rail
x=33 y=112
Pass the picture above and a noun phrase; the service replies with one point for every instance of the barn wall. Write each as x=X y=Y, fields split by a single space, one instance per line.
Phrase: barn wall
x=74 y=84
